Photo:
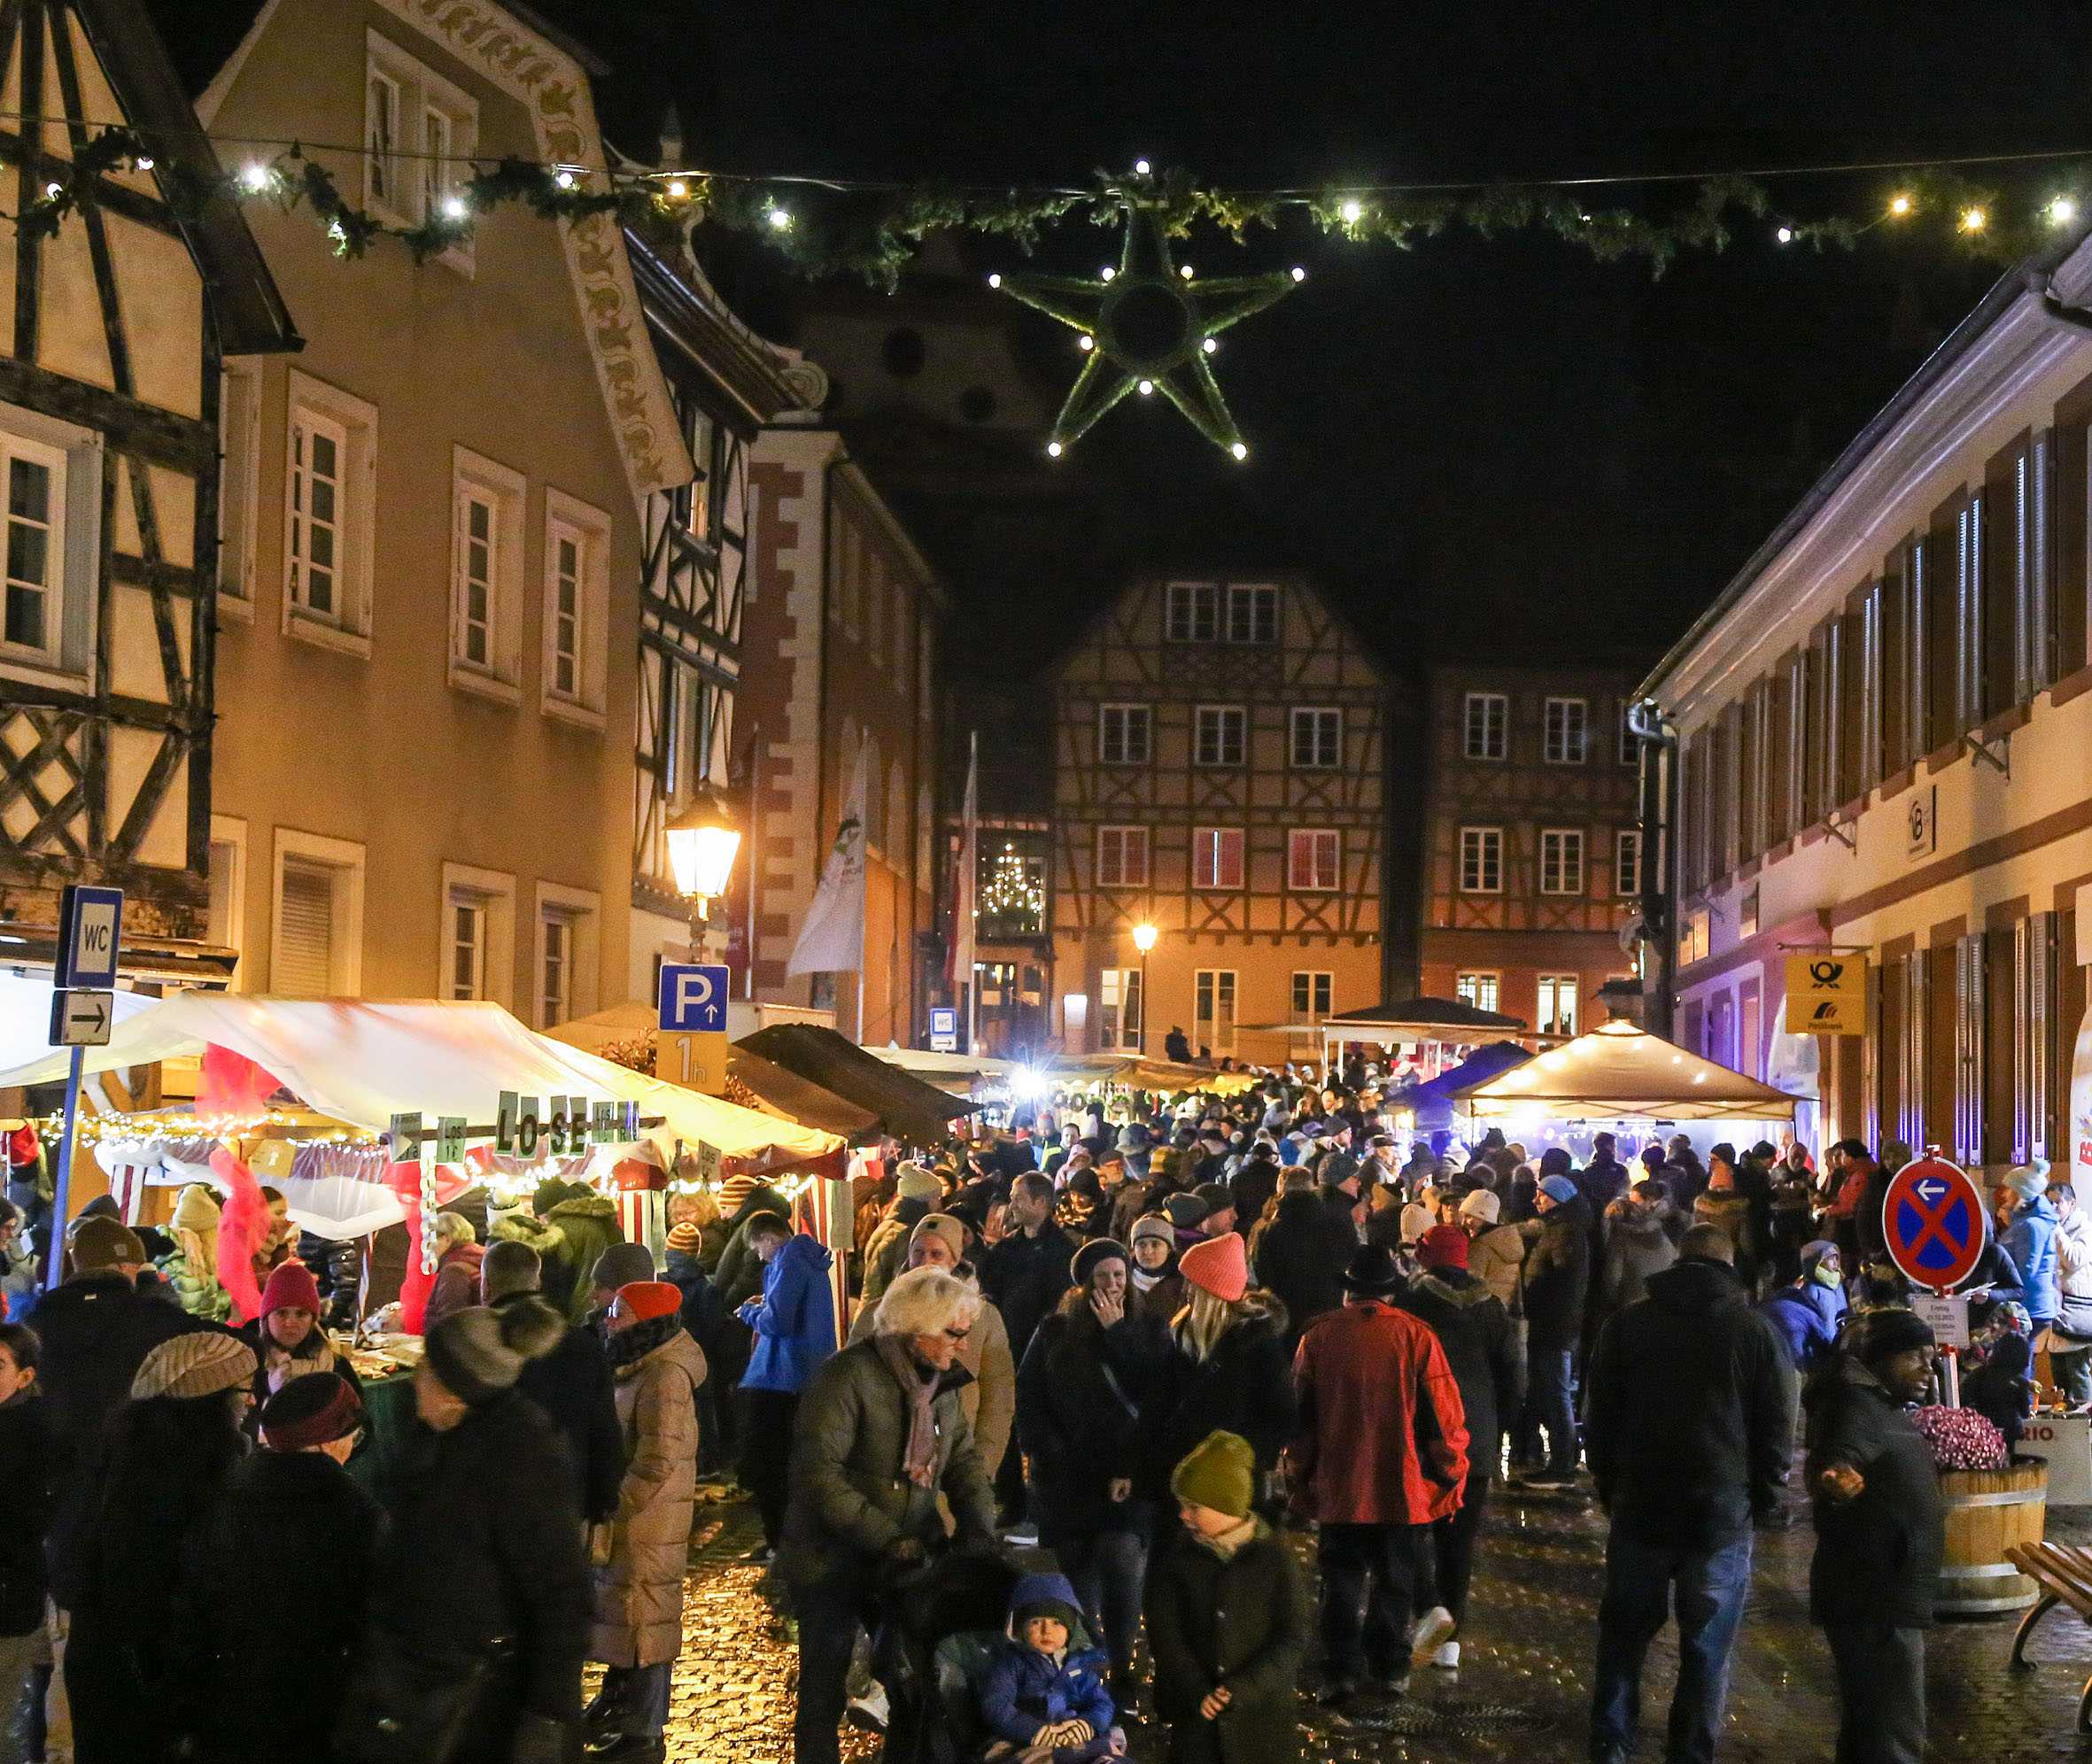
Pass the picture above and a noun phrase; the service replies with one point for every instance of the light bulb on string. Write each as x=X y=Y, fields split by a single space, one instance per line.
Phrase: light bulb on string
x=1145 y=387
x=455 y=208
x=1186 y=272
x=2061 y=210
x=1140 y=167
x=1053 y=450
x=563 y=178
x=1785 y=235
x=780 y=219
x=1106 y=272
x=1085 y=343
x=1239 y=451
x=1353 y=212
x=1300 y=274
x=1210 y=344
x=678 y=190
x=995 y=281
x=1974 y=219
x=254 y=175
x=1900 y=204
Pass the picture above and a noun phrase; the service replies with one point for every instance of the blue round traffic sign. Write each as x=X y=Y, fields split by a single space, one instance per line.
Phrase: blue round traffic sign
x=1932 y=1223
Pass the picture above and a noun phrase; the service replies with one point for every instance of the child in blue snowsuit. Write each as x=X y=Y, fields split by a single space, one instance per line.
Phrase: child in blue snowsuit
x=1040 y=1700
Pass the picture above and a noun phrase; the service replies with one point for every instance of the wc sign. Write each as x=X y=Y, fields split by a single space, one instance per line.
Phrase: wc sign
x=1826 y=994
x=91 y=923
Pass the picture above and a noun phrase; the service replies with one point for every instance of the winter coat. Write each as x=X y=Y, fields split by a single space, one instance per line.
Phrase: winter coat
x=269 y=1651
x=197 y=1292
x=1245 y=1386
x=1877 y=1555
x=1557 y=1277
x=703 y=1313
x=315 y=1353
x=1244 y=1621
x=990 y=1400
x=850 y=1498
x=794 y=1320
x=1083 y=1394
x=457 y=1283
x=1025 y=1689
x=885 y=1252
x=639 y=1596
x=1480 y=1345
x=1383 y=1436
x=555 y=1256
x=571 y=1384
x=24 y=1475
x=1690 y=1419
x=2074 y=1254
x=1497 y=1258
x=485 y=1545
x=1299 y=1256
x=1251 y=1186
x=1636 y=1245
x=20 y=1286
x=2029 y=1240
x=1733 y=1215
x=1024 y=1278
x=1806 y=1316
x=739 y=1273
x=589 y=1224
x=1163 y=1299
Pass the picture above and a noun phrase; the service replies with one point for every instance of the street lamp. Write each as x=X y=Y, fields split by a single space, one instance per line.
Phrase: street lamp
x=1143 y=940
x=702 y=842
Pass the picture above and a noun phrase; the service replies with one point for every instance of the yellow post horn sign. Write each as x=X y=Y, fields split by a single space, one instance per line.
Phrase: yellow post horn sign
x=1826 y=994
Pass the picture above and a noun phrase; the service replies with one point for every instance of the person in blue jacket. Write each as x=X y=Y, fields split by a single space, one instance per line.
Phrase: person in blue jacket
x=1807 y=1314
x=795 y=1325
x=1042 y=1699
x=2027 y=1234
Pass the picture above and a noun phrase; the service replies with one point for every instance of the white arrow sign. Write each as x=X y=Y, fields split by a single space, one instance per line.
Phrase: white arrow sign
x=81 y=1019
x=1933 y=1190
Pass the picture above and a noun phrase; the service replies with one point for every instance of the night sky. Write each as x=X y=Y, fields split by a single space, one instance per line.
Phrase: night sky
x=1484 y=445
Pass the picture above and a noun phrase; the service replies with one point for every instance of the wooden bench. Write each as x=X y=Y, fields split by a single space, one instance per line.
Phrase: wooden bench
x=2064 y=1574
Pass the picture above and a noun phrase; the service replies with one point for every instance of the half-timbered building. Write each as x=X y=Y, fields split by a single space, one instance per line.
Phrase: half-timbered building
x=1219 y=766
x=109 y=411
x=1530 y=842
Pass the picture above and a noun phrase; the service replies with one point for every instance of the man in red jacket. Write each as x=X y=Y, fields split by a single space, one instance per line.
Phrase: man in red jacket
x=1381 y=1453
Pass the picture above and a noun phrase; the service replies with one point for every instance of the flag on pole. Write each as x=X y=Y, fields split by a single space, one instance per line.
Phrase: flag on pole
x=831 y=941
x=965 y=881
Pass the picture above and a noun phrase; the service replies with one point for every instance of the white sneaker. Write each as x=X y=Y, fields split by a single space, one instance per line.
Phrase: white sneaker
x=1025 y=1534
x=871 y=1711
x=1448 y=1657
x=1432 y=1628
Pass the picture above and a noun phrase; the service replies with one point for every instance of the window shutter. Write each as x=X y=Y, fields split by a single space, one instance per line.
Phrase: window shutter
x=304 y=942
x=1968 y=1047
x=1919 y=1002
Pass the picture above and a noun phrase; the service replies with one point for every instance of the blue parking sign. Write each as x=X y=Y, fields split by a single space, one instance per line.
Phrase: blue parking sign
x=694 y=998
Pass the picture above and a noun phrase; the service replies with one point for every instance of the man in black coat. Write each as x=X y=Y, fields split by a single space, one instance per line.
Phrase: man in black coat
x=1254 y=1182
x=572 y=1383
x=1025 y=1275
x=1301 y=1255
x=1557 y=1284
x=1691 y=1424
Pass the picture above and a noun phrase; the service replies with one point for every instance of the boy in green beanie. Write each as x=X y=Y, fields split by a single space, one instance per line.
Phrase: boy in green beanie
x=1229 y=1618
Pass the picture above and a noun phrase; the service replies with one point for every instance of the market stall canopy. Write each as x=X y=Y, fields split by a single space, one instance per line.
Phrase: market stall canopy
x=768 y=1086
x=1437 y=1019
x=1170 y=1075
x=899 y=1102
x=25 y=1020
x=1432 y=1100
x=1620 y=1071
x=361 y=1061
x=957 y=1074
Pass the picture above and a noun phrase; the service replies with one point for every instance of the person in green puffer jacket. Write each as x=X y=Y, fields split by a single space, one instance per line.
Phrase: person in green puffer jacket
x=190 y=1270
x=555 y=1256
x=589 y=1224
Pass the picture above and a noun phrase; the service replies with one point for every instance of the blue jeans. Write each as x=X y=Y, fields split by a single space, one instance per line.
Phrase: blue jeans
x=1107 y=1569
x=1554 y=1374
x=1642 y=1581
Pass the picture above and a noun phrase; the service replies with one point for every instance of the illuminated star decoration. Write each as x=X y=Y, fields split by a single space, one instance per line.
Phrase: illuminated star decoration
x=1147 y=327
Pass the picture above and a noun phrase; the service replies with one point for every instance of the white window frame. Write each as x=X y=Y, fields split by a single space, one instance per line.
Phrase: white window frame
x=1193 y=598
x=1627 y=850
x=1561 y=860
x=493 y=893
x=1118 y=1029
x=346 y=857
x=1209 y=846
x=1220 y=715
x=1556 y=747
x=1495 y=710
x=1316 y=842
x=230 y=832
x=1250 y=597
x=1320 y=989
x=74 y=455
x=1481 y=850
x=566 y=515
x=582 y=911
x=475 y=478
x=347 y=630
x=48 y=652
x=1629 y=743
x=1315 y=719
x=386 y=188
x=239 y=488
x=1549 y=991
x=1130 y=840
x=1131 y=715
x=1210 y=982
x=1479 y=987
x=436 y=139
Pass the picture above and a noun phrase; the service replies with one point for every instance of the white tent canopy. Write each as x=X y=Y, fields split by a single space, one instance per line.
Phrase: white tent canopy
x=25 y=1020
x=1620 y=1071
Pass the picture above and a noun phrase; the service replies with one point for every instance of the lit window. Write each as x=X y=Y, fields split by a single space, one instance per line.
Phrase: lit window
x=1562 y=738
x=1221 y=735
x=1119 y=1010
x=1317 y=739
x=1311 y=995
x=1313 y=857
x=1561 y=860
x=1487 y=716
x=1479 y=990
x=1216 y=857
x=1481 y=860
x=1212 y=1011
x=1558 y=1004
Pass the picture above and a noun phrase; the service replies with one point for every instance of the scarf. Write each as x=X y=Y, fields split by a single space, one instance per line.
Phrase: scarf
x=1228 y=1543
x=918 y=1457
x=626 y=1348
x=1144 y=1281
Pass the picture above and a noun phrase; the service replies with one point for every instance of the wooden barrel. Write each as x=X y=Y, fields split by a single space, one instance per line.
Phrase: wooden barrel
x=1988 y=1512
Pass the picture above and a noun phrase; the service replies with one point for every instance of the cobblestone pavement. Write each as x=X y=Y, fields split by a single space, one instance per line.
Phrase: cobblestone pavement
x=1524 y=1680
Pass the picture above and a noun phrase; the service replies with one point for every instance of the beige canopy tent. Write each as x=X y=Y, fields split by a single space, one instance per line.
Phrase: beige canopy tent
x=1620 y=1071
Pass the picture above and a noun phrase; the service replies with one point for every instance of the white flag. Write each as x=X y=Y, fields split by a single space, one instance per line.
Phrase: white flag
x=831 y=941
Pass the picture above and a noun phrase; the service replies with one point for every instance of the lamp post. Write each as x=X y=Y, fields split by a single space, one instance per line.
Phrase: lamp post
x=703 y=841
x=1143 y=940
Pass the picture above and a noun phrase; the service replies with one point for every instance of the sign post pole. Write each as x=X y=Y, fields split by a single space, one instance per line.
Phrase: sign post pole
x=61 y=1177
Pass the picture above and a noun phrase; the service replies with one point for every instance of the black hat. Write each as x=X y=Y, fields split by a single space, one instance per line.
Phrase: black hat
x=1097 y=1250
x=1372 y=1272
x=1216 y=1195
x=1880 y=1333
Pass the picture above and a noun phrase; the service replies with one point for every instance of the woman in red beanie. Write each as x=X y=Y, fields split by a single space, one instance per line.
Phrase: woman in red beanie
x=287 y=1338
x=638 y=1627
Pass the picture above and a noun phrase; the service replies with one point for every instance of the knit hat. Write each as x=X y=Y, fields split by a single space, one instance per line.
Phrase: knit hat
x=479 y=1352
x=644 y=1300
x=1220 y=1472
x=1097 y=1250
x=1481 y=1204
x=2029 y=1181
x=621 y=1265
x=1134 y=1137
x=1882 y=1332
x=1372 y=1272
x=290 y=1287
x=311 y=1410
x=1152 y=1225
x=1555 y=1161
x=912 y=1182
x=734 y=1192
x=1559 y=1189
x=1219 y=1265
x=100 y=1243
x=1187 y=1212
x=1044 y=1596
x=1443 y=1246
x=549 y=1193
x=949 y=1230
x=1218 y=1196
x=685 y=1239
x=198 y=1364
x=197 y=1210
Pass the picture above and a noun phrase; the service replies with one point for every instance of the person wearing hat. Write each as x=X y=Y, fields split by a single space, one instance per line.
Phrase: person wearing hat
x=1219 y=1201
x=1496 y=1252
x=1808 y=1314
x=119 y=1574
x=1299 y=1253
x=1557 y=1282
x=287 y=1338
x=794 y=1322
x=1480 y=1345
x=917 y=1193
x=267 y=1658
x=1880 y=1534
x=1690 y=1430
x=588 y=1222
x=484 y=1550
x=190 y=1269
x=2026 y=1235
x=1642 y=1233
x=1380 y=1452
x=1085 y=1385
x=1186 y=1214
x=1042 y=1697
x=1158 y=1287
x=528 y=1224
x=620 y=1265
x=638 y=1626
